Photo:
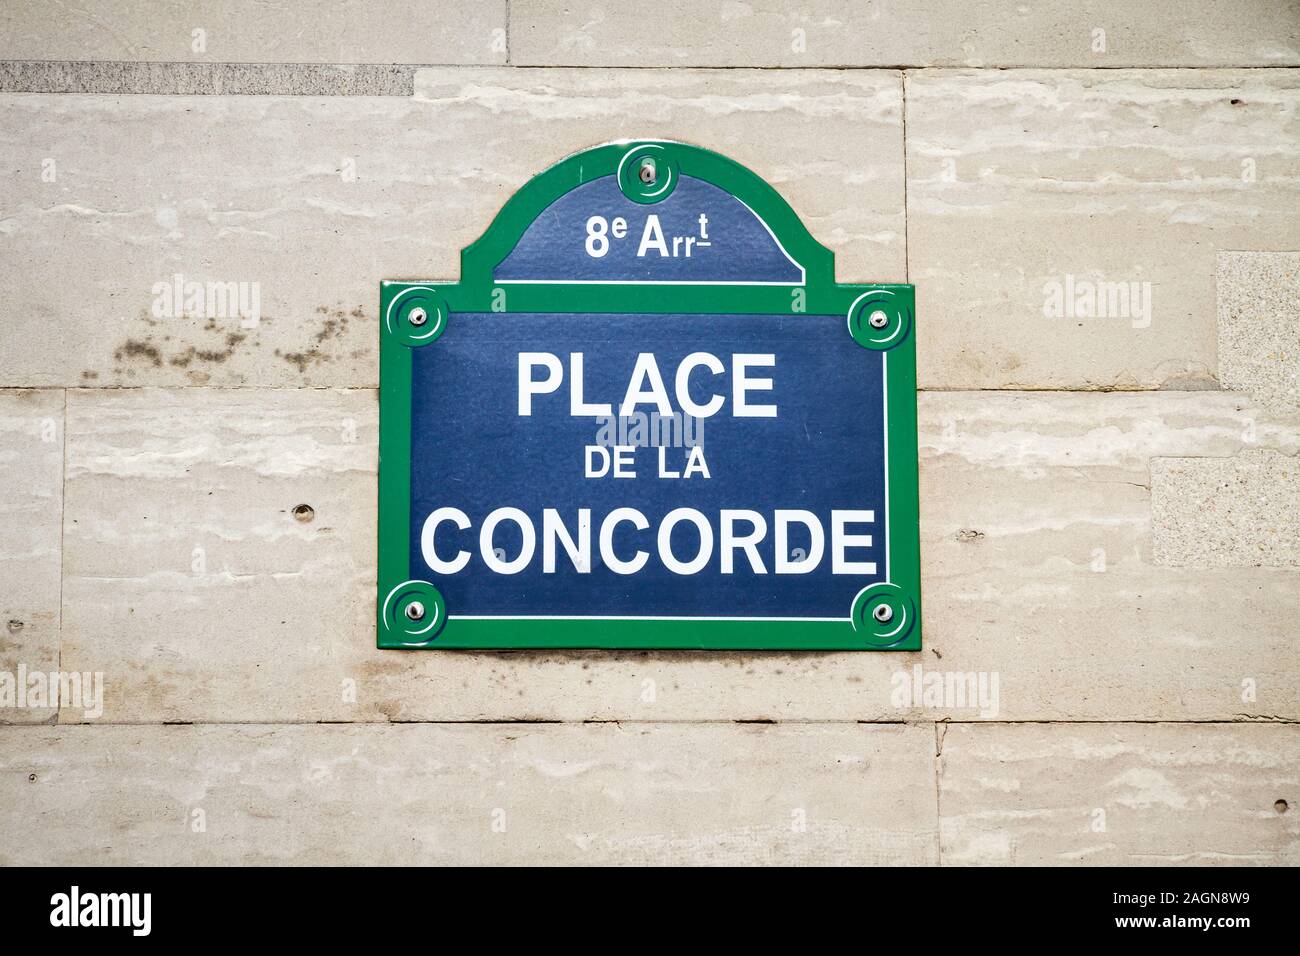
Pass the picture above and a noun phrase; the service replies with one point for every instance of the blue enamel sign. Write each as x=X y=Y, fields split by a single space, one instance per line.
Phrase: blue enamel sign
x=647 y=416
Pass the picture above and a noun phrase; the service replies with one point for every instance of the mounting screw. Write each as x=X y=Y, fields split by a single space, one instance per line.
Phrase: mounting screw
x=417 y=316
x=415 y=611
x=647 y=172
x=878 y=319
x=883 y=613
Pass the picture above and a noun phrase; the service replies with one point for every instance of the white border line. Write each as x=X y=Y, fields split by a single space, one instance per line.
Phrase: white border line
x=803 y=273
x=889 y=567
x=884 y=389
x=592 y=617
x=791 y=285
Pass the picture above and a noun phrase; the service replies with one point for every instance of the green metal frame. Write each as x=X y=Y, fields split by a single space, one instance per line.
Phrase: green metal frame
x=399 y=585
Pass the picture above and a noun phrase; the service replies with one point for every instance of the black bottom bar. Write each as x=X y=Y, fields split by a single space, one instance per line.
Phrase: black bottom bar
x=334 y=906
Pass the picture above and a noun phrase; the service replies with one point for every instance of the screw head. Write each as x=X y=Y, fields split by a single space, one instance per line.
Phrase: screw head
x=878 y=319
x=883 y=613
x=417 y=316
x=415 y=611
x=647 y=172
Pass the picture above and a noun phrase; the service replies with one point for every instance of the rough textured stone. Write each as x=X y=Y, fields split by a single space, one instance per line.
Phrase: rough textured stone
x=905 y=33
x=252 y=79
x=473 y=794
x=249 y=31
x=1120 y=795
x=311 y=202
x=1087 y=557
x=31 y=512
x=189 y=576
x=1025 y=185
x=1259 y=325
x=1036 y=549
x=1227 y=512
x=1037 y=560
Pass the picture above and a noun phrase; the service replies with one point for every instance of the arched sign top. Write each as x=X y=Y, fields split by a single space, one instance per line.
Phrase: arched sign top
x=647 y=416
x=654 y=213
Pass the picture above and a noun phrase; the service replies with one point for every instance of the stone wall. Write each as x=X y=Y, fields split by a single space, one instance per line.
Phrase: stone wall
x=1099 y=205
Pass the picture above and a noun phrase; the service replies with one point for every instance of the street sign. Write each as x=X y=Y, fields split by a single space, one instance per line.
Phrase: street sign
x=648 y=417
